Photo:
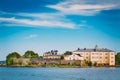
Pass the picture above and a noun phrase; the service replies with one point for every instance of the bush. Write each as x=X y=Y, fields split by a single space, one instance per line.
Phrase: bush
x=95 y=64
x=29 y=63
x=89 y=63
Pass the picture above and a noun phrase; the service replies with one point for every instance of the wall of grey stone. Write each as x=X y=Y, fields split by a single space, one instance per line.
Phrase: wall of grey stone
x=50 y=61
x=61 y=61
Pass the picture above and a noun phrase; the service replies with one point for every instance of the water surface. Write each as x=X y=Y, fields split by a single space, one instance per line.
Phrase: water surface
x=7 y=73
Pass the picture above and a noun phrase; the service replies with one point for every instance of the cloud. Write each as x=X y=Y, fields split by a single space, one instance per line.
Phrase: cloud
x=43 y=16
x=80 y=7
x=58 y=19
x=31 y=36
x=36 y=23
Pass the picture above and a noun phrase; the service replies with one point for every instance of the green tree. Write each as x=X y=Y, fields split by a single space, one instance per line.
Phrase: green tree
x=41 y=57
x=117 y=58
x=85 y=63
x=89 y=63
x=68 y=53
x=31 y=54
x=11 y=56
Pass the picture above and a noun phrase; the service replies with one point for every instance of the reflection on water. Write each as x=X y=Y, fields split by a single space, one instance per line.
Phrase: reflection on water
x=59 y=73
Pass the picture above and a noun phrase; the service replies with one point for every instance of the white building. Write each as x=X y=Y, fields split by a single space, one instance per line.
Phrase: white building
x=73 y=57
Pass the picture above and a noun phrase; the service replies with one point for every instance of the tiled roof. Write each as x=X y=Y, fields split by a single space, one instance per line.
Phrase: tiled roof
x=93 y=50
x=54 y=55
x=74 y=54
x=79 y=55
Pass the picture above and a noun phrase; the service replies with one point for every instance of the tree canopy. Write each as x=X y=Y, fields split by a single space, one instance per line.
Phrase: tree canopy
x=11 y=56
x=31 y=54
x=68 y=53
x=118 y=58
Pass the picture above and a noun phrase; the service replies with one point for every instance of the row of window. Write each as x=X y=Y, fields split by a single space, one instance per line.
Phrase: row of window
x=96 y=53
x=104 y=61
x=100 y=57
x=73 y=58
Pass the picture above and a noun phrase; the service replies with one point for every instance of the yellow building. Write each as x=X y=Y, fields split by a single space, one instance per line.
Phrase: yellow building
x=53 y=54
x=100 y=56
x=52 y=57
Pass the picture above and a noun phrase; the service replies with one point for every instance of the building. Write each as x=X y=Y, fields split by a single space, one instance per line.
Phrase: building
x=102 y=56
x=52 y=55
x=73 y=57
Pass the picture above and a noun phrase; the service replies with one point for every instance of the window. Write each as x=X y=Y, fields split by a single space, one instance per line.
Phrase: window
x=86 y=53
x=92 y=53
x=112 y=61
x=100 y=53
x=106 y=53
x=86 y=57
x=106 y=57
x=111 y=53
x=106 y=61
x=112 y=57
x=81 y=53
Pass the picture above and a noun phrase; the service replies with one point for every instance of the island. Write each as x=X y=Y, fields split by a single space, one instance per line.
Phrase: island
x=96 y=57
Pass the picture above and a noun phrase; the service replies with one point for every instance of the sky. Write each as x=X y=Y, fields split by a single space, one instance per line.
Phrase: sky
x=43 y=25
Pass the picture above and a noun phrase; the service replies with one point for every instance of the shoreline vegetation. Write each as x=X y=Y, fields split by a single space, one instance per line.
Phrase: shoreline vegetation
x=62 y=66
x=57 y=66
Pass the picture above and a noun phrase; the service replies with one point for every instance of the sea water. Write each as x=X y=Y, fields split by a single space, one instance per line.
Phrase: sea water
x=8 y=73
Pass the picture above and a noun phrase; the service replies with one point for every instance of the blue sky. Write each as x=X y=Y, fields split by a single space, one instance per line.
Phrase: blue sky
x=42 y=25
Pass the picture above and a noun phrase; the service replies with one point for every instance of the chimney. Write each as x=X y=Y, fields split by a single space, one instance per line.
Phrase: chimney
x=96 y=48
x=84 y=48
x=78 y=49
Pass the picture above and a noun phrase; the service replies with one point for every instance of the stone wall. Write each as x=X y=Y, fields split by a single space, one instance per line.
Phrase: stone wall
x=36 y=61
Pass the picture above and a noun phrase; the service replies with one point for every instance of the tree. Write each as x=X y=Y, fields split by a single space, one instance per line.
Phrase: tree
x=31 y=54
x=89 y=63
x=41 y=57
x=68 y=53
x=85 y=63
x=11 y=56
x=117 y=57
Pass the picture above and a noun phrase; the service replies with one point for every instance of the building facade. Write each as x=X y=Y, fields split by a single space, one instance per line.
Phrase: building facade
x=73 y=57
x=96 y=55
x=53 y=54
